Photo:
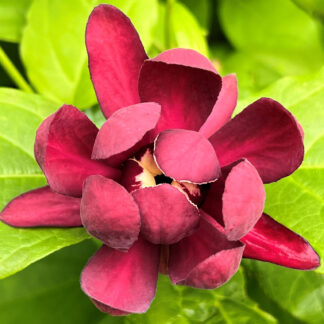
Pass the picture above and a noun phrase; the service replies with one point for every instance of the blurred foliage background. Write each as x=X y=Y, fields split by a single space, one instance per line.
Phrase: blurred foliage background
x=276 y=48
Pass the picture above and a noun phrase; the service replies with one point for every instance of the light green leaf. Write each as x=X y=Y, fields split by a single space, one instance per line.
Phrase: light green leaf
x=298 y=200
x=53 y=47
x=49 y=291
x=20 y=115
x=143 y=14
x=276 y=33
x=12 y=19
x=184 y=30
x=184 y=305
x=301 y=293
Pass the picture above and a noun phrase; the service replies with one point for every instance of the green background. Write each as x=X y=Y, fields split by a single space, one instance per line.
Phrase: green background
x=276 y=48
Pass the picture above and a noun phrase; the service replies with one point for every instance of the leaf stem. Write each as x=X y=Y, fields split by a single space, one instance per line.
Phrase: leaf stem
x=13 y=73
x=167 y=31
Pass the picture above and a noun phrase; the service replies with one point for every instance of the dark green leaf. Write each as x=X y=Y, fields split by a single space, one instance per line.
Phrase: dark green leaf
x=301 y=293
x=49 y=291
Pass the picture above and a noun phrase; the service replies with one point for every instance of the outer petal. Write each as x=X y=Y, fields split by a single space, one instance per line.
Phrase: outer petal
x=205 y=259
x=186 y=91
x=123 y=281
x=272 y=242
x=237 y=199
x=116 y=55
x=125 y=132
x=63 y=147
x=166 y=214
x=186 y=156
x=223 y=107
x=267 y=135
x=109 y=212
x=42 y=207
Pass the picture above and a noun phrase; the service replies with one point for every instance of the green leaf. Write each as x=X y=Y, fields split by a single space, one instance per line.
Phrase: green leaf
x=201 y=10
x=143 y=14
x=184 y=28
x=275 y=32
x=297 y=201
x=53 y=47
x=12 y=19
x=184 y=305
x=20 y=115
x=301 y=293
x=49 y=291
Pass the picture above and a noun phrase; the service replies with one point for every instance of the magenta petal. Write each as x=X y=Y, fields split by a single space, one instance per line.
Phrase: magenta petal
x=272 y=242
x=125 y=132
x=187 y=94
x=223 y=108
x=267 y=135
x=116 y=55
x=123 y=281
x=109 y=212
x=42 y=207
x=205 y=259
x=186 y=156
x=166 y=214
x=186 y=57
x=63 y=148
x=237 y=199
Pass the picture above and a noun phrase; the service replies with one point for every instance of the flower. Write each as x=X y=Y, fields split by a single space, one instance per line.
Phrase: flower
x=170 y=182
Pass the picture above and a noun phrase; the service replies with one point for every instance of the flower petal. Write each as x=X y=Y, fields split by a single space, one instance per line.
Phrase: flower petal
x=186 y=93
x=123 y=281
x=272 y=242
x=125 y=132
x=267 y=135
x=186 y=57
x=63 y=148
x=42 y=207
x=223 y=108
x=205 y=259
x=166 y=214
x=116 y=55
x=237 y=199
x=109 y=212
x=186 y=156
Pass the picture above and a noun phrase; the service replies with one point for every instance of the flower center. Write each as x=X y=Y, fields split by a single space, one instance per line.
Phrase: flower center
x=143 y=172
x=161 y=178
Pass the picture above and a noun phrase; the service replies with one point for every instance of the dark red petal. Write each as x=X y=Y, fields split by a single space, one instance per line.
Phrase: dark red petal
x=109 y=212
x=187 y=94
x=186 y=57
x=237 y=199
x=223 y=108
x=123 y=281
x=267 y=135
x=63 y=148
x=125 y=132
x=272 y=242
x=116 y=55
x=166 y=214
x=205 y=259
x=186 y=156
x=42 y=207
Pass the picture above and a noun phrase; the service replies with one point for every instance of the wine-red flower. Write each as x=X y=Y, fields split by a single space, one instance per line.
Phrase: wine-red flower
x=170 y=182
